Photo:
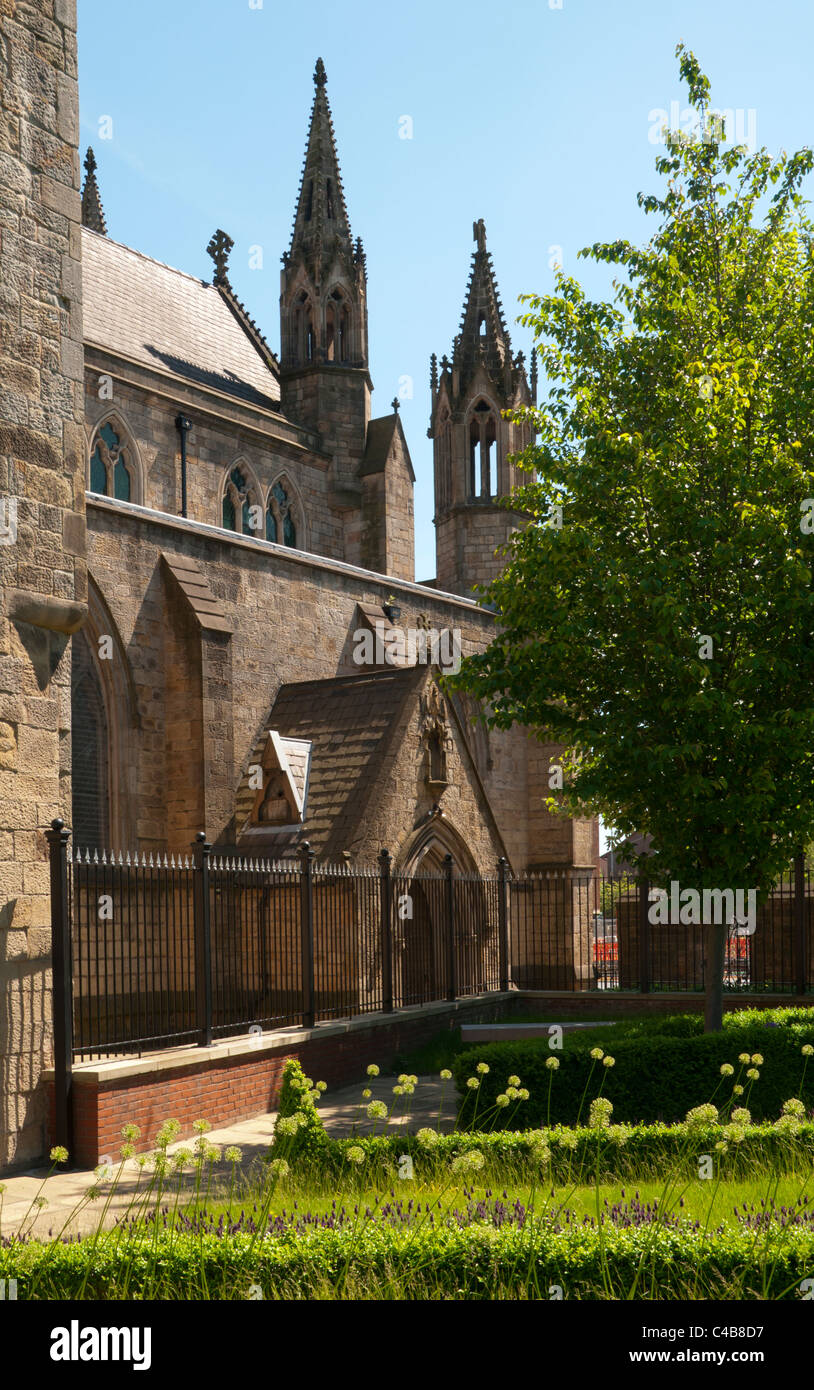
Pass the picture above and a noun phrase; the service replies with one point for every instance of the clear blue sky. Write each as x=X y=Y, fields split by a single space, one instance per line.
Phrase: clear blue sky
x=535 y=118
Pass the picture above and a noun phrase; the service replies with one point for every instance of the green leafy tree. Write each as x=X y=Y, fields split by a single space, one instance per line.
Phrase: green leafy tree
x=656 y=614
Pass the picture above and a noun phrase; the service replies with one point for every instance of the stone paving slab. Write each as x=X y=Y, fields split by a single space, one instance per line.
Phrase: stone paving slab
x=342 y=1111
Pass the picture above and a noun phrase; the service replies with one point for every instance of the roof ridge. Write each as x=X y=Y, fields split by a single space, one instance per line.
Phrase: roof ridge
x=152 y=260
x=390 y=672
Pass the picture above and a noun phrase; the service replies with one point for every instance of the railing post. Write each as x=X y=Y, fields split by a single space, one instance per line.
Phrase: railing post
x=307 y=933
x=644 y=936
x=203 y=940
x=386 y=905
x=62 y=984
x=503 y=922
x=449 y=867
x=799 y=936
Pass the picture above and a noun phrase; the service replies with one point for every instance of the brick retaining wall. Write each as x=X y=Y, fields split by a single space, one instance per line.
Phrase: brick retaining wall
x=240 y=1078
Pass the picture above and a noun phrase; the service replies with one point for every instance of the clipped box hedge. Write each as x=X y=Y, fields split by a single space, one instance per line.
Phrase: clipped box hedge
x=662 y=1069
x=478 y=1262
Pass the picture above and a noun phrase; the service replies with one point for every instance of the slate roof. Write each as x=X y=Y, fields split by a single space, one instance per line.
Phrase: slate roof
x=380 y=433
x=170 y=321
x=354 y=724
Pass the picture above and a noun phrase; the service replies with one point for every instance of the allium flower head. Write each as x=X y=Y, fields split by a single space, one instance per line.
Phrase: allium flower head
x=567 y=1139
x=702 y=1115
x=279 y=1168
x=169 y=1131
x=753 y=1074
x=523 y=1093
x=757 y=1060
x=737 y=1090
x=794 y=1107
x=609 y=1061
x=321 y=1086
x=131 y=1133
x=366 y=1094
x=741 y=1116
x=597 y=1054
x=787 y=1124
x=482 y=1067
x=59 y=1154
x=355 y=1155
x=373 y=1070
x=377 y=1110
x=727 y=1069
x=398 y=1090
x=513 y=1081
x=502 y=1100
x=446 y=1074
x=807 y=1050
x=744 y=1058
x=201 y=1126
x=233 y=1154
x=600 y=1113
x=552 y=1063
x=427 y=1138
x=473 y=1083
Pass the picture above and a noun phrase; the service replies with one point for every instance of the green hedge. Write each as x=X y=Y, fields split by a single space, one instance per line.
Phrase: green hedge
x=616 y=1154
x=474 y=1262
x=661 y=1070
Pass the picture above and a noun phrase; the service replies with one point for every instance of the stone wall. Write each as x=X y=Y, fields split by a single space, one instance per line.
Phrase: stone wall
x=293 y=620
x=42 y=546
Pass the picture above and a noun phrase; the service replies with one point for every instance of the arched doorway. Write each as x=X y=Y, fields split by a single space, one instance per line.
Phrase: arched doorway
x=421 y=957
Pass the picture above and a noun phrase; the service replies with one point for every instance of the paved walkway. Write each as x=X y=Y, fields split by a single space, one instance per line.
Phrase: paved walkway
x=343 y=1113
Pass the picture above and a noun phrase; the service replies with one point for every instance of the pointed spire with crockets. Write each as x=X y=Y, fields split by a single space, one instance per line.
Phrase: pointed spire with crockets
x=321 y=225
x=92 y=214
x=483 y=335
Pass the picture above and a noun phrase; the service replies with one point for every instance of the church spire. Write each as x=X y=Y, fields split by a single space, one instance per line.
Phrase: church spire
x=321 y=224
x=483 y=336
x=92 y=214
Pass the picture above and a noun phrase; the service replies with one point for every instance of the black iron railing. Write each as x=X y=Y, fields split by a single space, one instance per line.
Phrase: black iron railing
x=158 y=950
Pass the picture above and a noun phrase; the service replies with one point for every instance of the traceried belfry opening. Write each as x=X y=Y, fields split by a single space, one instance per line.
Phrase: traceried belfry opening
x=482 y=451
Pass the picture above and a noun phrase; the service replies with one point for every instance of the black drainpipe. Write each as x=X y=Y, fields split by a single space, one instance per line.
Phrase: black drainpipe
x=183 y=426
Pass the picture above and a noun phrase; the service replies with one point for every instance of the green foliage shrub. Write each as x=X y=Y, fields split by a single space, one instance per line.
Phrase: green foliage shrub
x=660 y=1072
x=297 y=1109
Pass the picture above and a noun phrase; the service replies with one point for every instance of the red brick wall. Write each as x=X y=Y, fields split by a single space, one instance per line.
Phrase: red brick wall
x=243 y=1087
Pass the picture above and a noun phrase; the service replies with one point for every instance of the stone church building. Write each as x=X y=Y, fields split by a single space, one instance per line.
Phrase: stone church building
x=198 y=527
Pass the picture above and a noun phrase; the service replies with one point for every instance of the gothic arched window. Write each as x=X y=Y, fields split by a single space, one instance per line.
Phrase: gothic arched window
x=304 y=339
x=337 y=328
x=89 y=750
x=112 y=470
x=482 y=450
x=239 y=504
x=280 y=524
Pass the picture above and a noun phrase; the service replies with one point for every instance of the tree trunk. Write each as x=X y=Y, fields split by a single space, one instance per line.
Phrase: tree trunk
x=714 y=956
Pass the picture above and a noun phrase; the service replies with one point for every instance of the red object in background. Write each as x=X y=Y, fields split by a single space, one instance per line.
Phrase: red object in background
x=605 y=950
